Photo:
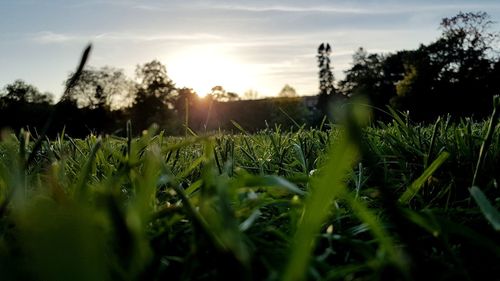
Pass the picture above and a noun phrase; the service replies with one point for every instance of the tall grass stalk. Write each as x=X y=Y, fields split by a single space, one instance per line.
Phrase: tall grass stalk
x=328 y=186
x=489 y=135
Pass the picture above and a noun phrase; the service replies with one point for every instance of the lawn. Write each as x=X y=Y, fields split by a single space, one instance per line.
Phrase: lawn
x=395 y=201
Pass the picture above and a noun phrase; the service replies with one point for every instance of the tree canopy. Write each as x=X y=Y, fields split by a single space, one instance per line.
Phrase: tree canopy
x=457 y=73
x=20 y=91
x=103 y=87
x=287 y=92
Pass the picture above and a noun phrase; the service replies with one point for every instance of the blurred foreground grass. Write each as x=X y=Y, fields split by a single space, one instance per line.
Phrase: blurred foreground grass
x=390 y=202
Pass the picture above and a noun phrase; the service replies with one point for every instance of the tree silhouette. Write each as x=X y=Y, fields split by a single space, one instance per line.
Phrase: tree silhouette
x=251 y=94
x=327 y=92
x=186 y=107
x=457 y=74
x=155 y=96
x=326 y=79
x=287 y=92
x=20 y=91
x=22 y=105
x=106 y=87
x=371 y=76
x=218 y=93
x=454 y=74
x=154 y=81
x=469 y=34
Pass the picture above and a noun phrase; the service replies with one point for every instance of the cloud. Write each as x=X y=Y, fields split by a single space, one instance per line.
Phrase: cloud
x=155 y=37
x=292 y=9
x=352 y=9
x=316 y=6
x=145 y=7
x=49 y=37
x=151 y=6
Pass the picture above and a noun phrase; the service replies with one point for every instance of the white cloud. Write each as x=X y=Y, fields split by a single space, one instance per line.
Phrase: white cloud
x=293 y=9
x=155 y=37
x=49 y=37
x=149 y=5
x=353 y=9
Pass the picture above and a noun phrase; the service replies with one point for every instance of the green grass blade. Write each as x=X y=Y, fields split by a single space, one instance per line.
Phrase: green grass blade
x=489 y=135
x=299 y=153
x=387 y=246
x=489 y=212
x=420 y=181
x=290 y=117
x=239 y=127
x=87 y=170
x=432 y=143
x=328 y=186
x=273 y=181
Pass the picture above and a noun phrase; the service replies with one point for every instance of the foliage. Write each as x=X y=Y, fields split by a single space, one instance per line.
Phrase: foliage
x=367 y=78
x=326 y=79
x=218 y=93
x=455 y=74
x=275 y=205
x=26 y=104
x=287 y=92
x=105 y=87
x=154 y=81
x=251 y=94
x=470 y=33
x=454 y=71
x=154 y=98
x=21 y=92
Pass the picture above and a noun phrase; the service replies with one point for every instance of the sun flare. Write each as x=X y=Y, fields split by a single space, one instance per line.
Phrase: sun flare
x=204 y=67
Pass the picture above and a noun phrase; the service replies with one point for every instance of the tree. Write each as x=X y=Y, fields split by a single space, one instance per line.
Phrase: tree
x=185 y=106
x=469 y=34
x=251 y=94
x=218 y=93
x=154 y=81
x=454 y=74
x=155 y=96
x=372 y=76
x=22 y=105
x=327 y=91
x=365 y=75
x=287 y=92
x=21 y=92
x=326 y=79
x=186 y=98
x=105 y=87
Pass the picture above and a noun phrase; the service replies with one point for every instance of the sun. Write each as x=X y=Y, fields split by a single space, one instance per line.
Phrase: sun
x=203 y=67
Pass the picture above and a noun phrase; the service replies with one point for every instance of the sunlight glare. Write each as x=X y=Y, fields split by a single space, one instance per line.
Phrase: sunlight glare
x=203 y=67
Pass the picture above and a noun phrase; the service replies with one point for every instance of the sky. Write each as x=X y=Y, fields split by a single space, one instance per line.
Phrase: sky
x=239 y=44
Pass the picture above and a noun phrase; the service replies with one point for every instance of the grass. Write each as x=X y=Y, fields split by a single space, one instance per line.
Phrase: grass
x=387 y=202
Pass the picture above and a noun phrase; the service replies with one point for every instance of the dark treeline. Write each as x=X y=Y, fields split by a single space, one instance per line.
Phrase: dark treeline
x=103 y=100
x=456 y=74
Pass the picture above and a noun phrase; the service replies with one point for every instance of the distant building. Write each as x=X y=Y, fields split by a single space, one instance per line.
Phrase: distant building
x=310 y=101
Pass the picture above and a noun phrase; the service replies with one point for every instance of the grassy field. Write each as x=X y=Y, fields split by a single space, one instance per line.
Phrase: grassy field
x=399 y=201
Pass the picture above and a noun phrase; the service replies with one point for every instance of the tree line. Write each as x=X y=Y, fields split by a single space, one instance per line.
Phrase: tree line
x=102 y=100
x=456 y=74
